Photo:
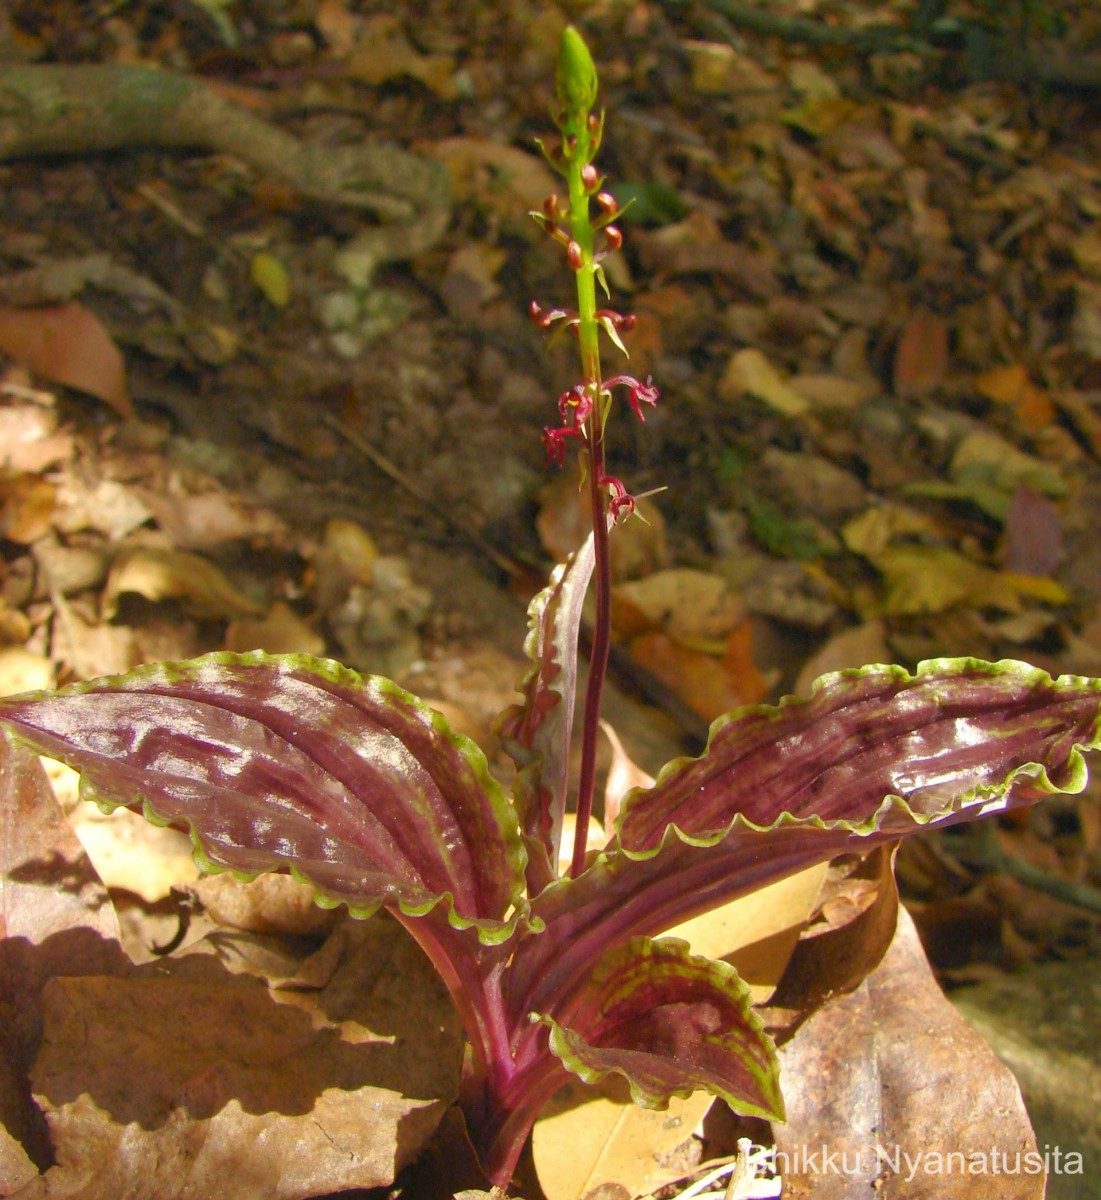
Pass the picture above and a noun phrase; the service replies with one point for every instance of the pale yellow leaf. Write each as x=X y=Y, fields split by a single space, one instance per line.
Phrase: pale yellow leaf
x=750 y=372
x=270 y=277
x=156 y=573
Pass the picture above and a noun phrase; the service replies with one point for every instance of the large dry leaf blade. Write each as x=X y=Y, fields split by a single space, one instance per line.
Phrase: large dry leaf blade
x=55 y=918
x=882 y=1086
x=183 y=1080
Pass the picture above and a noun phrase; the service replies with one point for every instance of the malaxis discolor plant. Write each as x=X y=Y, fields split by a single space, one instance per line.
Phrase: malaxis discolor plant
x=289 y=763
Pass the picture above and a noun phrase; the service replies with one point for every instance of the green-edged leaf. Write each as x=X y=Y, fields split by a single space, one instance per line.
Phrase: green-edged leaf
x=291 y=762
x=670 y=1022
x=874 y=755
x=950 y=734
x=536 y=733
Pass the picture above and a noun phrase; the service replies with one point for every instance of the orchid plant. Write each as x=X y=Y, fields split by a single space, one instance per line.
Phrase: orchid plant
x=295 y=764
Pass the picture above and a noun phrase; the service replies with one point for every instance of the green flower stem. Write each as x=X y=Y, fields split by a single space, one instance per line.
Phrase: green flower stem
x=589 y=344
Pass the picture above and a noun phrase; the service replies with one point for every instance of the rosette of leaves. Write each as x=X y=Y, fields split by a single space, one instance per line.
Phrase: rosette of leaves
x=289 y=763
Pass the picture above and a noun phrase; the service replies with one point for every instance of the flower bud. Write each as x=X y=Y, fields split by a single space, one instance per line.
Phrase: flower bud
x=575 y=256
x=613 y=236
x=589 y=177
x=575 y=78
x=607 y=203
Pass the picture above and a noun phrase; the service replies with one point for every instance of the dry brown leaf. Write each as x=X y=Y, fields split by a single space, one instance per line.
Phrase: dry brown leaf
x=104 y=505
x=282 y=631
x=27 y=506
x=161 y=574
x=758 y=933
x=890 y=1081
x=1010 y=385
x=55 y=918
x=68 y=345
x=22 y=670
x=88 y=647
x=130 y=853
x=921 y=355
x=266 y=904
x=201 y=520
x=692 y=606
x=184 y=1080
x=502 y=178
x=29 y=440
x=854 y=647
x=383 y=52
x=710 y=686
x=587 y=1137
x=750 y=372
x=623 y=774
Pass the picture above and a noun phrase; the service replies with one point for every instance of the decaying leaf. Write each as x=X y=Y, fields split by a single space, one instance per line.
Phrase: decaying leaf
x=921 y=356
x=248 y=1094
x=158 y=573
x=859 y=1078
x=67 y=345
x=749 y=371
x=55 y=918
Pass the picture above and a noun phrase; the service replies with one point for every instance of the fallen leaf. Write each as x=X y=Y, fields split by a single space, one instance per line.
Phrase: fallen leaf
x=22 y=670
x=55 y=918
x=821 y=390
x=695 y=608
x=501 y=178
x=858 y=1080
x=26 y=508
x=104 y=505
x=719 y=70
x=67 y=345
x=986 y=455
x=281 y=631
x=201 y=520
x=933 y=579
x=1011 y=386
x=749 y=371
x=269 y=1096
x=921 y=355
x=161 y=574
x=623 y=774
x=267 y=904
x=130 y=853
x=852 y=647
x=583 y=1141
x=269 y=276
x=383 y=52
x=29 y=439
x=1032 y=542
x=710 y=686
x=90 y=648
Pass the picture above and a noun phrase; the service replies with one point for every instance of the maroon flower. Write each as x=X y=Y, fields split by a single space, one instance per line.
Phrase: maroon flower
x=637 y=393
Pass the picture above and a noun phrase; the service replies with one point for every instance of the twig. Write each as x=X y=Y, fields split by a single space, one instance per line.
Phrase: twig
x=982 y=849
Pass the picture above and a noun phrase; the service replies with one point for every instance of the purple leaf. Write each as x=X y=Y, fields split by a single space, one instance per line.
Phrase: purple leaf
x=944 y=734
x=670 y=1022
x=872 y=756
x=536 y=733
x=296 y=763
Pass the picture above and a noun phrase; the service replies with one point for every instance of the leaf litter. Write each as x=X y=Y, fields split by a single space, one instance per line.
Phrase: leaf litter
x=895 y=280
